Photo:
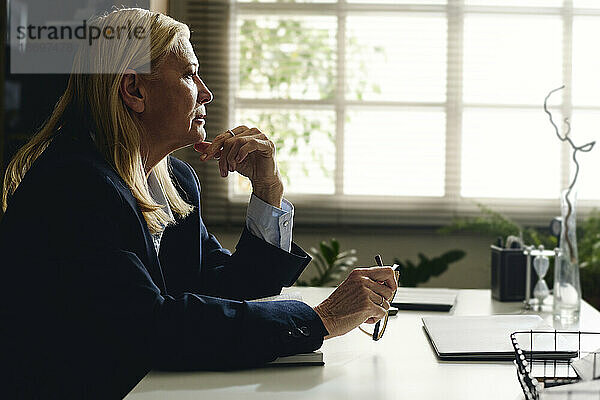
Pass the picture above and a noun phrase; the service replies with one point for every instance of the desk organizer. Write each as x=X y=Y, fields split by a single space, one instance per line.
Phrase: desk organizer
x=509 y=268
x=537 y=374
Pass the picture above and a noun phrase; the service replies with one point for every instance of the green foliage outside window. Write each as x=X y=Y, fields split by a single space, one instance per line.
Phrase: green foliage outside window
x=292 y=58
x=283 y=52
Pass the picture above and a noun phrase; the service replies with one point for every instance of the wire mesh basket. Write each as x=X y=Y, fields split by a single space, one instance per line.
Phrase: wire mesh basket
x=545 y=359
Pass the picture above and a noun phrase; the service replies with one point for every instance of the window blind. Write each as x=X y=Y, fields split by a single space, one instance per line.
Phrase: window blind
x=428 y=108
x=210 y=38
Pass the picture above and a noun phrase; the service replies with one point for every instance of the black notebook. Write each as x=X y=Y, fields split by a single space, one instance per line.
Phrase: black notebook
x=424 y=299
x=458 y=338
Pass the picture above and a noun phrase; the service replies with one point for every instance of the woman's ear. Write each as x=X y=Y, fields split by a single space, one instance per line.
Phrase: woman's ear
x=130 y=92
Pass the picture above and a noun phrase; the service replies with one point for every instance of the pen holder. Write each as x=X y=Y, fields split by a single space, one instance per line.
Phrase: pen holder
x=509 y=267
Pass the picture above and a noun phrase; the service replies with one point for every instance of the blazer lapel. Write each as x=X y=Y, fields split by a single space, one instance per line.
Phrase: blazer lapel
x=151 y=262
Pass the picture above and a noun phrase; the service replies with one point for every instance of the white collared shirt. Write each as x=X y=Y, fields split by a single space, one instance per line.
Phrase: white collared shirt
x=158 y=194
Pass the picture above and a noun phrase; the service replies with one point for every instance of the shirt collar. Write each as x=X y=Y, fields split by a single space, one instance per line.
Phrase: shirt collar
x=158 y=194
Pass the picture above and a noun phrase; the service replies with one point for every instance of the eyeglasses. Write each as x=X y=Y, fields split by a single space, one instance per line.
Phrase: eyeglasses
x=379 y=331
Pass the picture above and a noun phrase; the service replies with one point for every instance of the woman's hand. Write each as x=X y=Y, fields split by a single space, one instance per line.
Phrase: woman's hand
x=363 y=297
x=252 y=154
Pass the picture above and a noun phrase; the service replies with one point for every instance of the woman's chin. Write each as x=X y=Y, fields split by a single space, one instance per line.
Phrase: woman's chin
x=198 y=135
x=191 y=139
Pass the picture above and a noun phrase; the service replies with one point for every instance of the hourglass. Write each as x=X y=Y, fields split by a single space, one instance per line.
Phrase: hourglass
x=541 y=265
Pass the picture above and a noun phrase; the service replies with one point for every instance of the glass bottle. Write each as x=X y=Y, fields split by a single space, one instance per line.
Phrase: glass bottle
x=567 y=287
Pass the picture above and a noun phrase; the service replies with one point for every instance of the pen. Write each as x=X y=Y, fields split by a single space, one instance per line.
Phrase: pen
x=379 y=262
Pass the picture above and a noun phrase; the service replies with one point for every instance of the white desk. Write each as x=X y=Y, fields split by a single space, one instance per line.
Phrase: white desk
x=401 y=365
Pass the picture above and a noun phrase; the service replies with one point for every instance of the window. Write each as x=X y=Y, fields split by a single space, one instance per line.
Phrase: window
x=411 y=112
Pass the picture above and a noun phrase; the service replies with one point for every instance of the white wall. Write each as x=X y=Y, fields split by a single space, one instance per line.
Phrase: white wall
x=473 y=271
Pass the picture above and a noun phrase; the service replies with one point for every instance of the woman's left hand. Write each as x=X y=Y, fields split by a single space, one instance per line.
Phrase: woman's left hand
x=252 y=154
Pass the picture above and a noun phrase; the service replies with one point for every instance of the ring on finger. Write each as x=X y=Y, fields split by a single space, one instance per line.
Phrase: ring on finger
x=230 y=131
x=381 y=303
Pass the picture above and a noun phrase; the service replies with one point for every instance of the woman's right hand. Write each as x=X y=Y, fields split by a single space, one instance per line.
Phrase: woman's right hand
x=358 y=300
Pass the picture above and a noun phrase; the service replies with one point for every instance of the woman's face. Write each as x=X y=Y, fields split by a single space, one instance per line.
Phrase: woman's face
x=174 y=113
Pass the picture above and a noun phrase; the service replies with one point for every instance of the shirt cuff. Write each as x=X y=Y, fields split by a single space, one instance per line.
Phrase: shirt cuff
x=271 y=224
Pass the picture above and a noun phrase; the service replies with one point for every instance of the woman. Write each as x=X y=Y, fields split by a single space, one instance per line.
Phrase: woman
x=108 y=268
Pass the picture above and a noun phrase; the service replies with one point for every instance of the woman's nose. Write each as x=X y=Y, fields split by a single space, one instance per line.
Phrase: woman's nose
x=204 y=95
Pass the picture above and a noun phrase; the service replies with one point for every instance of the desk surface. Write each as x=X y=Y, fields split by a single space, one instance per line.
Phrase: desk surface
x=400 y=366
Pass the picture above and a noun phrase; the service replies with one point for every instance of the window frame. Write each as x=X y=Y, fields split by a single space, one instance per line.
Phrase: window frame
x=341 y=209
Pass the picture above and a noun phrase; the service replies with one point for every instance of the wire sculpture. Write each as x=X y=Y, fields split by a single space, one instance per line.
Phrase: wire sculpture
x=585 y=148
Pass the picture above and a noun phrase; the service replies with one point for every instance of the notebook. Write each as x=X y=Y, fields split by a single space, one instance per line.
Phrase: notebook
x=302 y=359
x=585 y=390
x=458 y=338
x=281 y=297
x=424 y=299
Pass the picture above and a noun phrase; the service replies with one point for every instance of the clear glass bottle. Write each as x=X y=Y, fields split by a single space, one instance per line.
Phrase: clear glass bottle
x=567 y=287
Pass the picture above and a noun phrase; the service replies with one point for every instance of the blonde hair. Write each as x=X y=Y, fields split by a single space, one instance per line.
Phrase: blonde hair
x=92 y=102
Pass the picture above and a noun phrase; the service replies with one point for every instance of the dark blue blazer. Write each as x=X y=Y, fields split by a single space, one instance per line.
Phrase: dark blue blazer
x=88 y=308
